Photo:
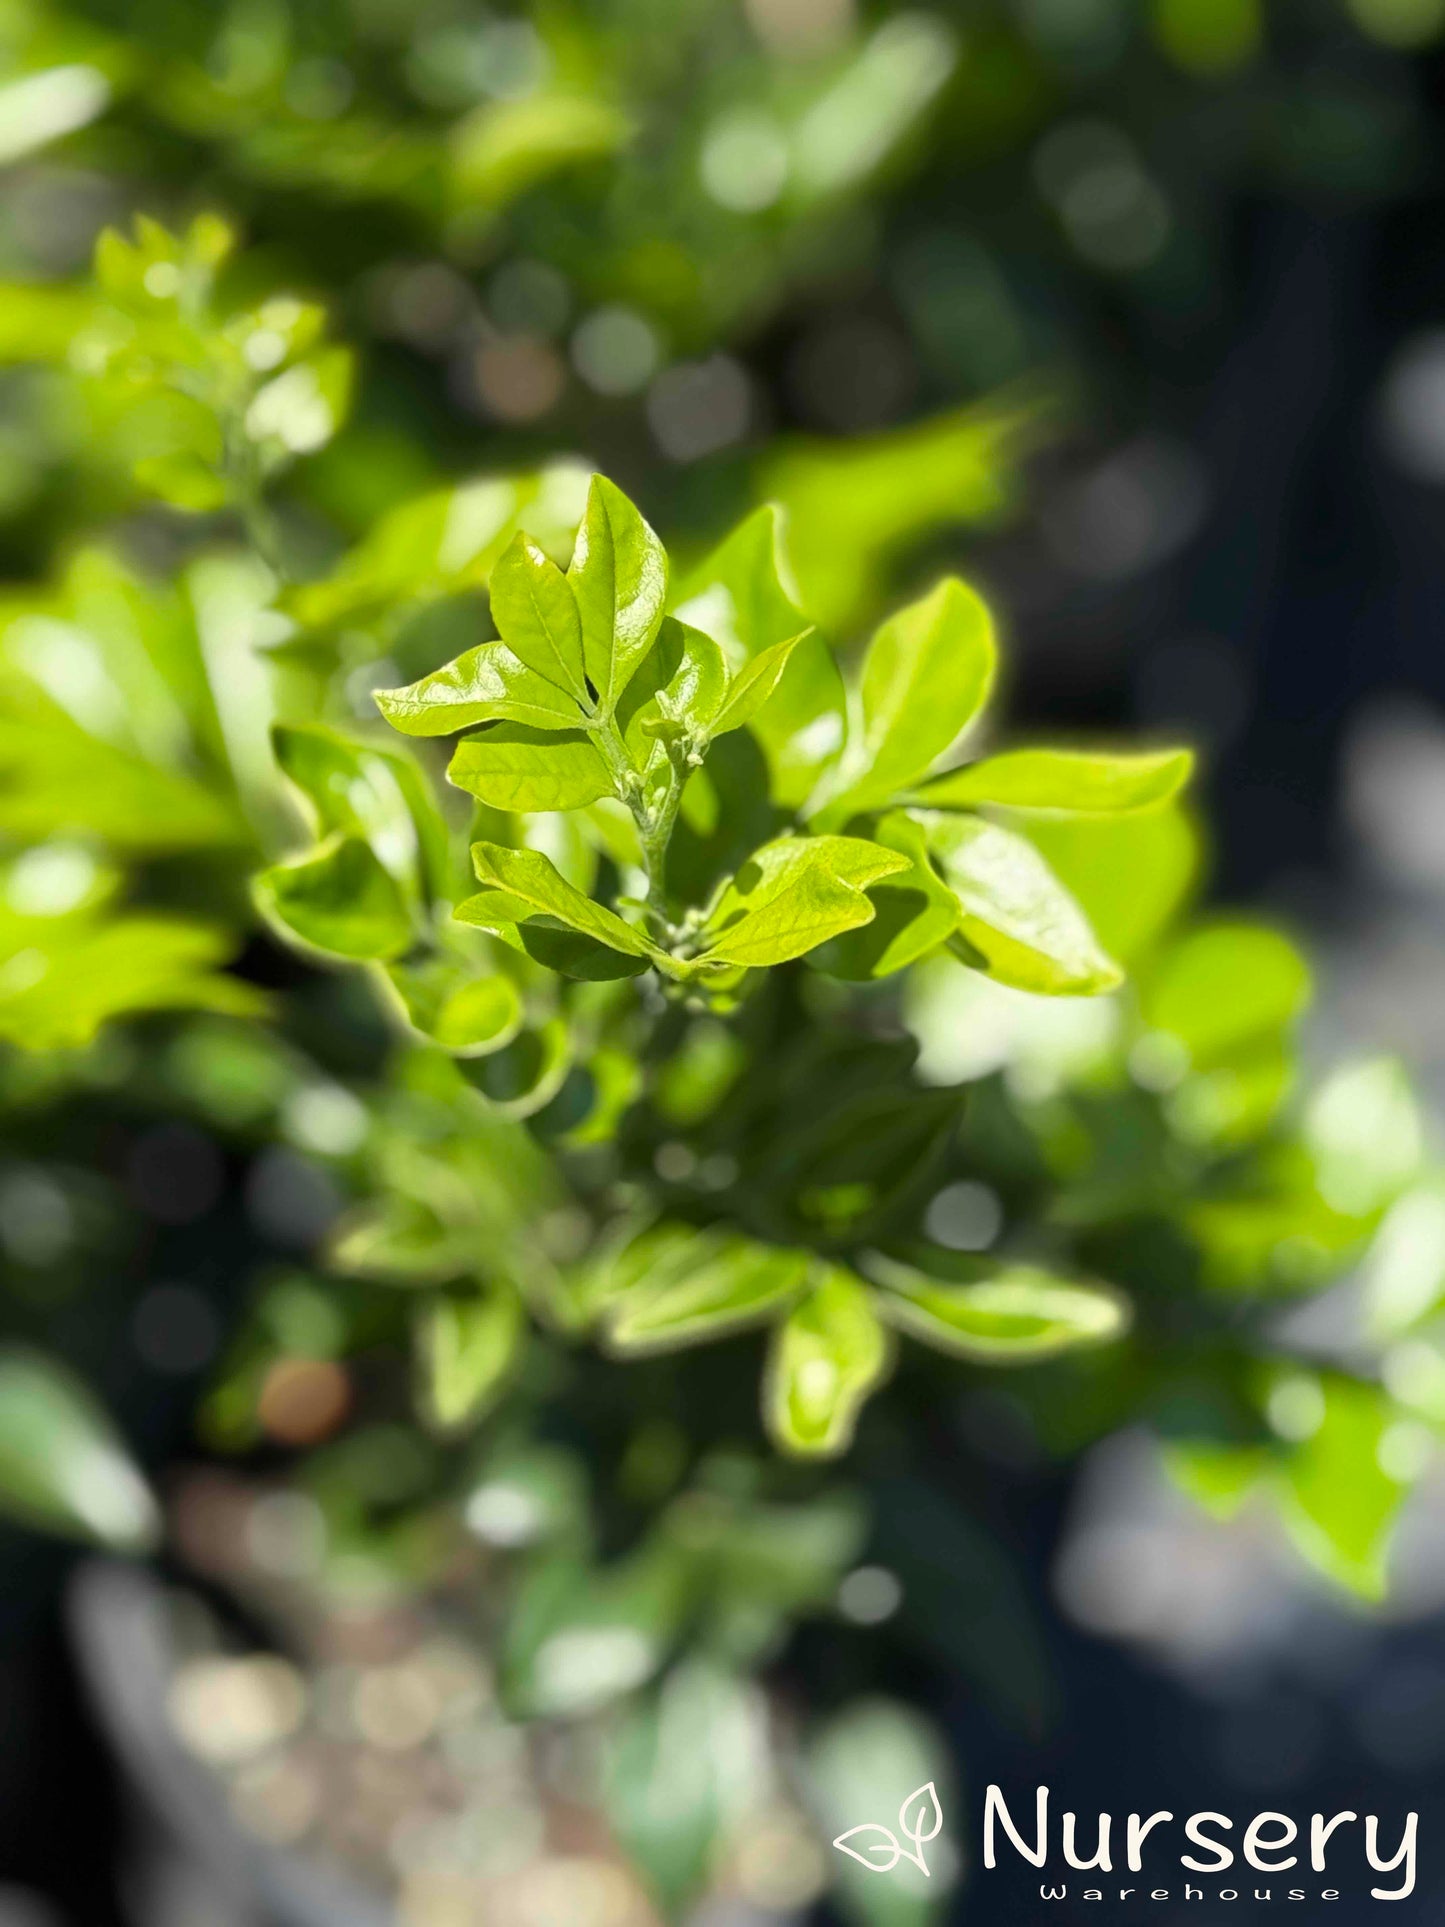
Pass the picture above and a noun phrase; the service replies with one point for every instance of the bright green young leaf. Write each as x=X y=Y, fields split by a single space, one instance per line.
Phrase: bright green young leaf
x=678 y=690
x=398 y=1241
x=1365 y=1130
x=755 y=684
x=1012 y=1318
x=56 y=992
x=183 y=481
x=62 y=1468
x=339 y=899
x=1130 y=875
x=1404 y=1272
x=738 y=595
x=536 y=616
x=513 y=767
x=463 y=1012
x=486 y=685
x=927 y=674
x=914 y=912
x=465 y=1349
x=1339 y=1502
x=1219 y=1478
x=701 y=1289
x=794 y=894
x=524 y=888
x=506 y=146
x=361 y=791
x=56 y=778
x=1224 y=985
x=826 y=1358
x=619 y=578
x=1067 y=782
x=1014 y=914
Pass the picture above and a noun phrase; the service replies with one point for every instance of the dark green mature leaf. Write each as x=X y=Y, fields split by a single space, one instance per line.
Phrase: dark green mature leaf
x=1012 y=1318
x=1019 y=922
x=927 y=674
x=692 y=1291
x=914 y=912
x=465 y=1347
x=826 y=1358
x=62 y=1468
x=513 y=767
x=486 y=685
x=523 y=885
x=339 y=899
x=536 y=616
x=619 y=578
x=794 y=894
x=1068 y=782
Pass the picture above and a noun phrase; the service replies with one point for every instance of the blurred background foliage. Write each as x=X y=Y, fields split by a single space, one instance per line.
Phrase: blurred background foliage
x=1040 y=290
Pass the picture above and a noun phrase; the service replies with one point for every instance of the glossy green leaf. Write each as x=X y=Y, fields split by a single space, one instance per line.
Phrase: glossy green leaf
x=536 y=616
x=1223 y=985
x=513 y=767
x=486 y=685
x=461 y=1011
x=928 y=672
x=913 y=912
x=1068 y=782
x=523 y=885
x=826 y=1358
x=361 y=791
x=1013 y=1317
x=338 y=899
x=619 y=578
x=677 y=691
x=695 y=1291
x=62 y=1467
x=466 y=1346
x=755 y=684
x=794 y=894
x=1019 y=923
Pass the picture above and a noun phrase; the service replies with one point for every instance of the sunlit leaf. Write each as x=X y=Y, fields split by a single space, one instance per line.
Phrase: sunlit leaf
x=338 y=899
x=513 y=767
x=536 y=616
x=462 y=1011
x=1018 y=921
x=913 y=911
x=1068 y=782
x=524 y=888
x=62 y=1467
x=696 y=1291
x=466 y=1346
x=1015 y=1316
x=826 y=1358
x=619 y=578
x=794 y=894
x=486 y=685
x=1224 y=984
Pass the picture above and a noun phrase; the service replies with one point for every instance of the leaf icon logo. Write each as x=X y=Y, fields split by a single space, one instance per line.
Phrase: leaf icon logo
x=879 y=1849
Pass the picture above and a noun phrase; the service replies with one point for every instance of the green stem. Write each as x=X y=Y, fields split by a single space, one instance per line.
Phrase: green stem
x=655 y=823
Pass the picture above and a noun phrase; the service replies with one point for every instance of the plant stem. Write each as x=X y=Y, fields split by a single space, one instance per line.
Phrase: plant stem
x=655 y=821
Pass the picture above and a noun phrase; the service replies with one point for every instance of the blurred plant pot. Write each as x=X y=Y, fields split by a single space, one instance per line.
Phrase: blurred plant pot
x=190 y=1865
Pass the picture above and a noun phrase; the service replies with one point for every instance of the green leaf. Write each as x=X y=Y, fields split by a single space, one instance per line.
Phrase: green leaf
x=927 y=674
x=466 y=1347
x=1018 y=1315
x=1129 y=874
x=677 y=691
x=399 y=1241
x=1069 y=782
x=1219 y=1478
x=486 y=685
x=694 y=1291
x=619 y=577
x=738 y=595
x=1364 y=1129
x=1339 y=1504
x=794 y=894
x=1224 y=985
x=56 y=992
x=826 y=1358
x=340 y=899
x=183 y=481
x=462 y=1012
x=579 y=1637
x=524 y=888
x=361 y=791
x=513 y=767
x=62 y=1468
x=914 y=912
x=755 y=684
x=536 y=616
x=56 y=778
x=506 y=146
x=1018 y=921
